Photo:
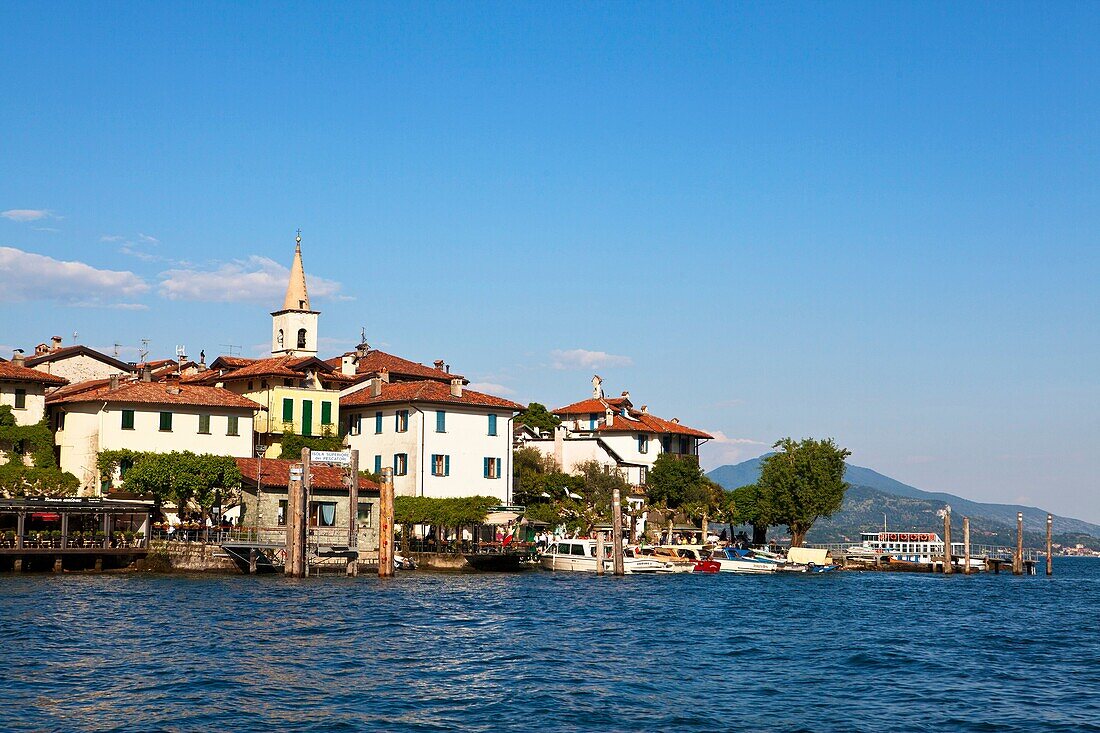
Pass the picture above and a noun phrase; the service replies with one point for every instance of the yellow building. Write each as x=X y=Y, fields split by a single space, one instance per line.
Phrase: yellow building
x=297 y=392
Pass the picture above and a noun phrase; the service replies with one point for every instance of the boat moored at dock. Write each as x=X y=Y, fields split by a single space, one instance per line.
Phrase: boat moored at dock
x=579 y=555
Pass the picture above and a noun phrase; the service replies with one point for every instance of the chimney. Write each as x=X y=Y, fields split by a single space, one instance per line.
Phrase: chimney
x=675 y=420
x=17 y=358
x=626 y=395
x=114 y=382
x=146 y=373
x=173 y=390
x=384 y=374
x=347 y=364
x=439 y=364
x=456 y=388
x=376 y=387
x=645 y=409
x=55 y=343
x=41 y=349
x=362 y=349
x=609 y=417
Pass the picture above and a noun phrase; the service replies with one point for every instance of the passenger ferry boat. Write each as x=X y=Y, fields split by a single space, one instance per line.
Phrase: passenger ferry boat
x=579 y=555
x=919 y=547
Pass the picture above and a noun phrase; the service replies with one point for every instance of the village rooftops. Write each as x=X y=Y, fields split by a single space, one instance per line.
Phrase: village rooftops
x=625 y=418
x=275 y=472
x=12 y=372
x=66 y=352
x=594 y=404
x=230 y=369
x=424 y=391
x=370 y=362
x=157 y=393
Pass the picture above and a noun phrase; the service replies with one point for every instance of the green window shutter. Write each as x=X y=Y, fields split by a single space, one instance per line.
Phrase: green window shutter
x=204 y=423
x=326 y=413
x=232 y=427
x=288 y=409
x=127 y=419
x=307 y=417
x=20 y=399
x=166 y=421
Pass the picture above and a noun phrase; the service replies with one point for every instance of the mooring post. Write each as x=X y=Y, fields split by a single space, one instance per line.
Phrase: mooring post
x=57 y=563
x=353 y=516
x=292 y=488
x=18 y=568
x=966 y=545
x=252 y=559
x=99 y=563
x=20 y=523
x=703 y=537
x=617 y=529
x=1050 y=544
x=1018 y=556
x=385 y=525
x=599 y=553
x=948 y=566
x=307 y=487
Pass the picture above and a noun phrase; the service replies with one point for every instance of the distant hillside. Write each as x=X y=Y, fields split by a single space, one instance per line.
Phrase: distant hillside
x=908 y=508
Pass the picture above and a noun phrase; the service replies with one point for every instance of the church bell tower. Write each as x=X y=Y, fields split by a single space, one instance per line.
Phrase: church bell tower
x=294 y=327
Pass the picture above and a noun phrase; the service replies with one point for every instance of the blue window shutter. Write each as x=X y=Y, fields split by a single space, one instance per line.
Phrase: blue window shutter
x=486 y=467
x=492 y=424
x=440 y=421
x=378 y=464
x=446 y=465
x=378 y=422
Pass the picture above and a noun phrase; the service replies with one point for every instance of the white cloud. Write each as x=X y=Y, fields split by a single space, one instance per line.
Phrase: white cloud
x=25 y=214
x=585 y=359
x=491 y=388
x=29 y=276
x=257 y=279
x=724 y=449
x=148 y=239
x=111 y=238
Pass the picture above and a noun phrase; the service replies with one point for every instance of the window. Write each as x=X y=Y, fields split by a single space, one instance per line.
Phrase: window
x=643 y=475
x=231 y=427
x=578 y=550
x=643 y=444
x=400 y=464
x=592 y=418
x=307 y=417
x=249 y=385
x=288 y=409
x=301 y=338
x=20 y=399
x=666 y=444
x=322 y=514
x=280 y=517
x=441 y=465
x=263 y=384
x=124 y=467
x=128 y=420
x=378 y=465
x=355 y=424
x=204 y=424
x=440 y=421
x=59 y=420
x=492 y=468
x=492 y=425
x=686 y=445
x=401 y=421
x=166 y=422
x=366 y=514
x=378 y=423
x=326 y=413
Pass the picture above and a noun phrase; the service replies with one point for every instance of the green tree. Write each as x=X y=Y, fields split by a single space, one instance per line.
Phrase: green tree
x=537 y=416
x=678 y=482
x=804 y=481
x=539 y=479
x=751 y=505
x=42 y=477
x=206 y=479
x=291 y=443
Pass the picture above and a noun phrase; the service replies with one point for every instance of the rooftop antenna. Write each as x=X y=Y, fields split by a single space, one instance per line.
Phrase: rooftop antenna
x=231 y=347
x=75 y=335
x=181 y=354
x=143 y=351
x=117 y=347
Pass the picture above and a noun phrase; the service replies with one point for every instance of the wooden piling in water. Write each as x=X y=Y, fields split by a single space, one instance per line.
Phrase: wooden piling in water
x=948 y=566
x=617 y=529
x=352 y=569
x=599 y=553
x=1050 y=544
x=1018 y=556
x=296 y=515
x=966 y=545
x=303 y=533
x=385 y=525
x=253 y=560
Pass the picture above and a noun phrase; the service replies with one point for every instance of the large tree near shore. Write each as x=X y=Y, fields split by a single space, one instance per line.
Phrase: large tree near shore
x=804 y=481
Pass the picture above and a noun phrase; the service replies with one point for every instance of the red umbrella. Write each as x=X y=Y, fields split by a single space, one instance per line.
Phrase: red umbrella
x=46 y=516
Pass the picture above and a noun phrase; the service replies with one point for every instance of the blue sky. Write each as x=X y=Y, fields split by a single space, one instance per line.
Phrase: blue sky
x=876 y=222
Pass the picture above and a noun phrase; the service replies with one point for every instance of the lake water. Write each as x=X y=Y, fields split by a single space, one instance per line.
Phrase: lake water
x=553 y=652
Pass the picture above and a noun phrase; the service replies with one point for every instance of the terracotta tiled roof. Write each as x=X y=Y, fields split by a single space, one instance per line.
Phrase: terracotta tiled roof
x=643 y=422
x=9 y=372
x=592 y=404
x=225 y=369
x=276 y=472
x=78 y=350
x=425 y=391
x=375 y=361
x=157 y=393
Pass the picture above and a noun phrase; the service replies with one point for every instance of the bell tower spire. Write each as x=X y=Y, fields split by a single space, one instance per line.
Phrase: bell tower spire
x=294 y=327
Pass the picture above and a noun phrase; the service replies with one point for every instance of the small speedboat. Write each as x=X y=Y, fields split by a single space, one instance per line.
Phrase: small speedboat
x=733 y=560
x=579 y=555
x=672 y=560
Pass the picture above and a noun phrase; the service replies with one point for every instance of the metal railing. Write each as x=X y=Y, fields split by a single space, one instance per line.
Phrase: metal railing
x=50 y=540
x=997 y=552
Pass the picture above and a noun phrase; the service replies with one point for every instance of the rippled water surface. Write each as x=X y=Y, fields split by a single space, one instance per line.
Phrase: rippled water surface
x=549 y=652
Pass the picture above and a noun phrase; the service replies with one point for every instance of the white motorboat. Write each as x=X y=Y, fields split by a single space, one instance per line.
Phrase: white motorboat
x=579 y=556
x=733 y=560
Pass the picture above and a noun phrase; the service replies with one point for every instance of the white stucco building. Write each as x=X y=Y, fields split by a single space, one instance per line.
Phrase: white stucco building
x=160 y=417
x=24 y=390
x=611 y=431
x=77 y=363
x=440 y=438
